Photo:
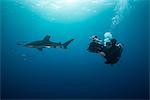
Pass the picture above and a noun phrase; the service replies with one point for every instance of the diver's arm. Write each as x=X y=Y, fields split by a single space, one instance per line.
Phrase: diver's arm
x=120 y=45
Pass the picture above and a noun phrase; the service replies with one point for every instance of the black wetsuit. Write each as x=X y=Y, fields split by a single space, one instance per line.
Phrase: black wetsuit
x=112 y=54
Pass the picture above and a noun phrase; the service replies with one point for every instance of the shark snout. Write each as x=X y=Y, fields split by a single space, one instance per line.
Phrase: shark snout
x=29 y=46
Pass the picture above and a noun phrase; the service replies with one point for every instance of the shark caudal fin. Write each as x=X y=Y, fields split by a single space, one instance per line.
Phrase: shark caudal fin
x=67 y=43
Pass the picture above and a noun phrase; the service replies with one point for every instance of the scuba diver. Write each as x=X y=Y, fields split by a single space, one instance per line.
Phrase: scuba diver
x=111 y=51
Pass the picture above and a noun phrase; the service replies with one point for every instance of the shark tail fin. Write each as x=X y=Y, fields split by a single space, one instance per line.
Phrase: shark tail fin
x=67 y=43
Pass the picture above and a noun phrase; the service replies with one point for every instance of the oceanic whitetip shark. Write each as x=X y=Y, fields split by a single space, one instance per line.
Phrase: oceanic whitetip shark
x=46 y=43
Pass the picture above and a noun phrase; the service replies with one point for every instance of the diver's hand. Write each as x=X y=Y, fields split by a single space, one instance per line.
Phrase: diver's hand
x=102 y=54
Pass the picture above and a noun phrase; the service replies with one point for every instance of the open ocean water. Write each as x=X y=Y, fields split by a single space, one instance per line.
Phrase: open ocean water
x=73 y=72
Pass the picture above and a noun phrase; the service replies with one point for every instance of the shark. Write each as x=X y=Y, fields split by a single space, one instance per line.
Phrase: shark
x=46 y=43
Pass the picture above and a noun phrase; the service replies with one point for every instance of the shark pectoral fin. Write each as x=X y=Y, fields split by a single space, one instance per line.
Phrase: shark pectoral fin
x=40 y=49
x=60 y=46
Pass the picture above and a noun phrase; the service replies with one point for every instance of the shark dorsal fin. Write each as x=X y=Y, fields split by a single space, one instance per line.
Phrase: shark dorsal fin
x=46 y=38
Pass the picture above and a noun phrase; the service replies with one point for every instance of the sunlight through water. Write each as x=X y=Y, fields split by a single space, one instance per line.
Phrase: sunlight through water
x=67 y=10
x=76 y=10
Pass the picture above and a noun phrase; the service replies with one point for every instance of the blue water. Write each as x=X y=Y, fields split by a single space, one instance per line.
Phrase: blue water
x=73 y=73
